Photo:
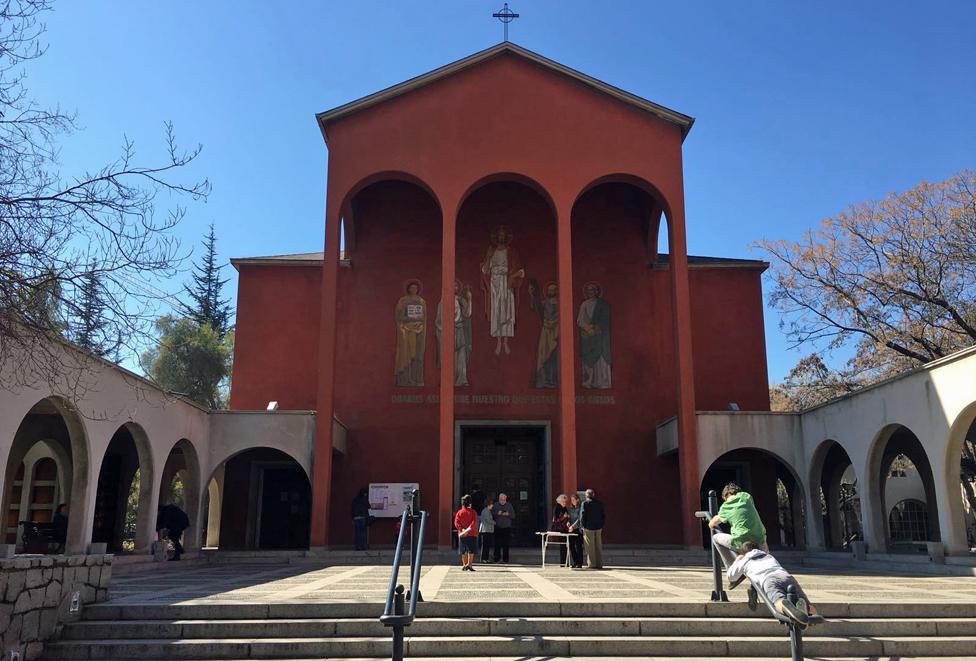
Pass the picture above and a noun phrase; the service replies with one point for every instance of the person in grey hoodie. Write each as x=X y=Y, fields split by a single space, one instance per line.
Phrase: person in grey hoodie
x=504 y=515
x=764 y=571
x=486 y=529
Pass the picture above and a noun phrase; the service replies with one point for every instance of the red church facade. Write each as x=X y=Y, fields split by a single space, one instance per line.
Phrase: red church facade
x=421 y=178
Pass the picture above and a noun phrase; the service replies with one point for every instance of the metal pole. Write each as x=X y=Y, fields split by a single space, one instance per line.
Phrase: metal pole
x=414 y=536
x=796 y=634
x=398 y=628
x=718 y=594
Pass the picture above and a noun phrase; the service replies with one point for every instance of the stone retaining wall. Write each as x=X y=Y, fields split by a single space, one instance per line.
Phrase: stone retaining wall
x=36 y=594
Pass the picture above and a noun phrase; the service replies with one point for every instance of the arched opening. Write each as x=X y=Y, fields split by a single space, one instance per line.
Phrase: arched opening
x=967 y=484
x=506 y=341
x=389 y=292
x=624 y=340
x=506 y=254
x=212 y=507
x=46 y=468
x=180 y=486
x=263 y=497
x=961 y=456
x=838 y=500
x=901 y=470
x=775 y=488
x=123 y=496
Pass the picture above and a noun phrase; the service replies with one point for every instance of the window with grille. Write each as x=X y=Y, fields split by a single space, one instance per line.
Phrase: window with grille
x=909 y=521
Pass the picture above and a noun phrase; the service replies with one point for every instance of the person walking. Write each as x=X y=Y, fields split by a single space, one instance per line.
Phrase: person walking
x=576 y=530
x=466 y=523
x=592 y=518
x=504 y=515
x=174 y=521
x=360 y=519
x=486 y=529
x=560 y=523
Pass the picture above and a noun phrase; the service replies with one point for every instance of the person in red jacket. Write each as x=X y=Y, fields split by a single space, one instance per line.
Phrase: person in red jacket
x=466 y=523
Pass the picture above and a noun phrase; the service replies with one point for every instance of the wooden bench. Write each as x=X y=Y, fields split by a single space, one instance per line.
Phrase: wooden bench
x=41 y=537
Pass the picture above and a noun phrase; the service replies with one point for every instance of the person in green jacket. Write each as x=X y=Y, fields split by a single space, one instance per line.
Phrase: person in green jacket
x=739 y=511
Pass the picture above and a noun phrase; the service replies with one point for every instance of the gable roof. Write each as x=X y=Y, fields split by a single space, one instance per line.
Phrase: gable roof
x=659 y=111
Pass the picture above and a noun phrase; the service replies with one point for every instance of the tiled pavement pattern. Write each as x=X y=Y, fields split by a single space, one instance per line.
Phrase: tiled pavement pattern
x=307 y=582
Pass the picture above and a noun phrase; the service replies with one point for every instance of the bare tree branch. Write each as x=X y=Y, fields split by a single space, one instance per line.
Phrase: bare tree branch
x=59 y=235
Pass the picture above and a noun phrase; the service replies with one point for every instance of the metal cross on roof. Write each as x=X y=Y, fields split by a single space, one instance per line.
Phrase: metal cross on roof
x=506 y=16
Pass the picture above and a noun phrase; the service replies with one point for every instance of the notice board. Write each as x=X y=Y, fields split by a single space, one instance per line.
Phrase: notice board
x=389 y=499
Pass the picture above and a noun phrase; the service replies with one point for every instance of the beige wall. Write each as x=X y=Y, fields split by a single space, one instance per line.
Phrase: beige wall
x=936 y=402
x=108 y=397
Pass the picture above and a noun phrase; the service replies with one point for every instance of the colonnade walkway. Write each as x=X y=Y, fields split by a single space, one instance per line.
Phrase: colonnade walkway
x=305 y=610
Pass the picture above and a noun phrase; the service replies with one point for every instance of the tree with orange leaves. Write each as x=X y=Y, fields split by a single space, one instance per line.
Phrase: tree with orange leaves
x=894 y=279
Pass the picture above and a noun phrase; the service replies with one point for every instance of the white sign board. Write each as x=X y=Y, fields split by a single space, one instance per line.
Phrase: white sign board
x=389 y=499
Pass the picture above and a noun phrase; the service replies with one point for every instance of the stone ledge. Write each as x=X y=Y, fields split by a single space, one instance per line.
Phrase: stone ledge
x=36 y=596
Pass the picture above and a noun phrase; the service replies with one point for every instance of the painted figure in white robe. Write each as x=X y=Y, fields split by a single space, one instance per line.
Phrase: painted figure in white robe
x=594 y=324
x=462 y=332
x=501 y=277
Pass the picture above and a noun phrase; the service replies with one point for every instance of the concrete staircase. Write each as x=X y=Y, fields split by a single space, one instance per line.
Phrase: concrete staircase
x=480 y=630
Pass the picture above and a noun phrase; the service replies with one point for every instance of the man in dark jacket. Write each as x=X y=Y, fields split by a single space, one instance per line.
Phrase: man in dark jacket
x=592 y=518
x=360 y=518
x=174 y=521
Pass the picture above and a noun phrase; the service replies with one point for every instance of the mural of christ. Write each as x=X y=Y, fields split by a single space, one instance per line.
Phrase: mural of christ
x=501 y=277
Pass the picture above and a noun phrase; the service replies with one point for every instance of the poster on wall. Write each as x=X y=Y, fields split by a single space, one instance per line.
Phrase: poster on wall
x=389 y=499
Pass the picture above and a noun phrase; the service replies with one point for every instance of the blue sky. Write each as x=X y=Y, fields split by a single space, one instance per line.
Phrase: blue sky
x=801 y=108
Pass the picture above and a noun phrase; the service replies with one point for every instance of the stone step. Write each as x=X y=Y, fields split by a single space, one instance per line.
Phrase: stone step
x=577 y=658
x=594 y=626
x=292 y=610
x=573 y=646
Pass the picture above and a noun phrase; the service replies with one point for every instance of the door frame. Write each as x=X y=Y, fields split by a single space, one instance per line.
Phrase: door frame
x=252 y=538
x=546 y=426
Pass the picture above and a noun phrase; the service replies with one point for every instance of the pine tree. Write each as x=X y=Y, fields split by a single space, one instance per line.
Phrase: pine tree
x=208 y=306
x=91 y=331
x=89 y=311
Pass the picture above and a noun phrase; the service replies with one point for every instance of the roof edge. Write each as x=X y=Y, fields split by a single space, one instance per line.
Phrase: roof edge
x=316 y=259
x=346 y=109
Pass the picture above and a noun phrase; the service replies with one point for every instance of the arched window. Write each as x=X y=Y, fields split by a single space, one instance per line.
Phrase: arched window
x=909 y=521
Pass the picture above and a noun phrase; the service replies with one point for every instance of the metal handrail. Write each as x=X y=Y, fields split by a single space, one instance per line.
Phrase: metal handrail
x=718 y=593
x=394 y=614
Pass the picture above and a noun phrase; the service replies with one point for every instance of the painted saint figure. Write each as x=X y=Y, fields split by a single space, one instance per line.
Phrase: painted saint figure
x=411 y=330
x=462 y=332
x=501 y=277
x=547 y=356
x=594 y=324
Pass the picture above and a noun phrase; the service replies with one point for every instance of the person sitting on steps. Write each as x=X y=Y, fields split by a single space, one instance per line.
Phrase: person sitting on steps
x=766 y=572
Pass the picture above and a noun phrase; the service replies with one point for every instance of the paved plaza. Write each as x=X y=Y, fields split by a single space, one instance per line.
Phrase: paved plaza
x=304 y=582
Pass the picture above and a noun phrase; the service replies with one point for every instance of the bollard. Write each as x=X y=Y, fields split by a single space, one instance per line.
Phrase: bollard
x=718 y=594
x=398 y=628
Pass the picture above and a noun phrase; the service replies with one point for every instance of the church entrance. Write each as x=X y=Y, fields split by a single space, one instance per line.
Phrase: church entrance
x=510 y=458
